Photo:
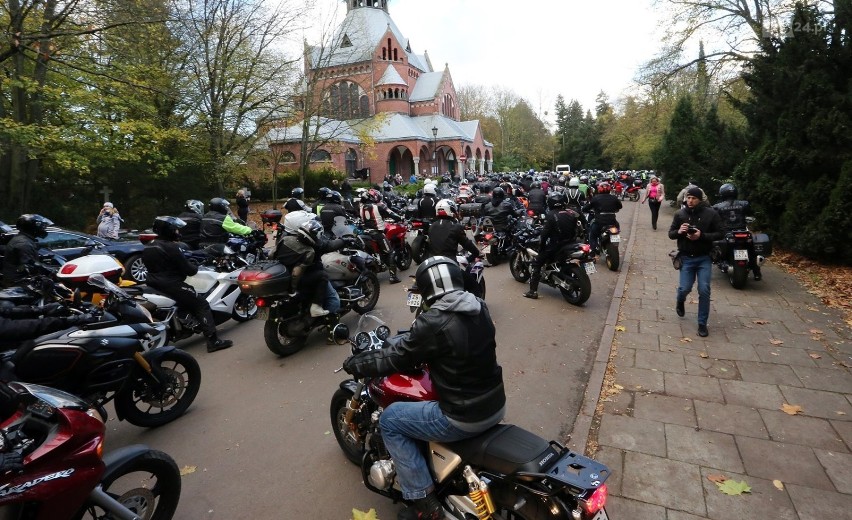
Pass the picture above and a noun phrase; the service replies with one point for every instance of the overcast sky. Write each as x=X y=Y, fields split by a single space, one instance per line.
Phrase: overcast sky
x=537 y=48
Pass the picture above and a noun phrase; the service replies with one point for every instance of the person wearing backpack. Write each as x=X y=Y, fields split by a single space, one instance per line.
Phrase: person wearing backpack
x=560 y=228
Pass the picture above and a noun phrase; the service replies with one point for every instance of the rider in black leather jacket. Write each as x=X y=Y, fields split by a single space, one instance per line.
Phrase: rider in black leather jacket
x=22 y=249
x=733 y=213
x=499 y=209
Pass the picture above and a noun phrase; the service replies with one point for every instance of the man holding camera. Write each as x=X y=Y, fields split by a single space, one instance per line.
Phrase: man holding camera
x=695 y=227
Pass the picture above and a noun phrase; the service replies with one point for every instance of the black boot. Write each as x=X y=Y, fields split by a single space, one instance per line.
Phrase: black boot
x=215 y=344
x=423 y=509
x=393 y=278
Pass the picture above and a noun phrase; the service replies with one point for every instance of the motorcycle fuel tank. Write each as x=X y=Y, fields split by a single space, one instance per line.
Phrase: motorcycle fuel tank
x=403 y=387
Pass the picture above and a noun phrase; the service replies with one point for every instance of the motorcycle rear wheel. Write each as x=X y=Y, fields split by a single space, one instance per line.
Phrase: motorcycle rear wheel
x=245 y=308
x=352 y=448
x=493 y=258
x=634 y=196
x=277 y=340
x=371 y=290
x=581 y=286
x=402 y=258
x=152 y=483
x=519 y=268
x=738 y=276
x=612 y=258
x=148 y=404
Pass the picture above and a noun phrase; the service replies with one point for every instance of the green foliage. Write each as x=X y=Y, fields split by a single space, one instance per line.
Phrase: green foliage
x=287 y=180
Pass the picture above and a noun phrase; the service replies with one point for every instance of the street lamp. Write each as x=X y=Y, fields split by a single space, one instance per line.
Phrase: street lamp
x=435 y=148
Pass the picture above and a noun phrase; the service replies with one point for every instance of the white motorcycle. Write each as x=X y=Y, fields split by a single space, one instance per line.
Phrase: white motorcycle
x=222 y=292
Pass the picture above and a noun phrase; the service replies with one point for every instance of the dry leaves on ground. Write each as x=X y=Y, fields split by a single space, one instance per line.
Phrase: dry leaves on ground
x=186 y=470
x=792 y=409
x=776 y=341
x=830 y=283
x=778 y=485
x=361 y=515
x=734 y=487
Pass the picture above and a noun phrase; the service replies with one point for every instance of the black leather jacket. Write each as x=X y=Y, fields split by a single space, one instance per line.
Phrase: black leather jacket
x=605 y=206
x=704 y=218
x=211 y=228
x=21 y=250
x=191 y=233
x=733 y=214
x=537 y=200
x=167 y=266
x=456 y=338
x=445 y=237
x=560 y=227
x=499 y=214
x=328 y=214
x=426 y=207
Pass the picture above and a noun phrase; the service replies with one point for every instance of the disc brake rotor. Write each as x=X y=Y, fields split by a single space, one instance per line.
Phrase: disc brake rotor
x=168 y=391
x=141 y=501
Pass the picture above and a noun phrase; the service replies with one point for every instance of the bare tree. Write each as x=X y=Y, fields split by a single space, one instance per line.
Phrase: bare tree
x=474 y=102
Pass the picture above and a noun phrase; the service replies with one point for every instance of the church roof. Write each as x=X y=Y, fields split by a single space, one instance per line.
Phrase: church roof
x=357 y=38
x=391 y=77
x=426 y=87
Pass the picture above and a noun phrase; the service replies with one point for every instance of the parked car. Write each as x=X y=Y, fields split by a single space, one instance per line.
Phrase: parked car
x=72 y=244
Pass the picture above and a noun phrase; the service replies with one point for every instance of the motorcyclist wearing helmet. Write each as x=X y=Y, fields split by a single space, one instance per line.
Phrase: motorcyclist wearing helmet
x=446 y=234
x=217 y=223
x=296 y=203
x=537 y=199
x=499 y=209
x=576 y=198
x=584 y=186
x=332 y=209
x=455 y=336
x=604 y=205
x=22 y=249
x=734 y=213
x=193 y=215
x=560 y=228
x=301 y=249
x=373 y=214
x=167 y=272
x=322 y=195
x=426 y=204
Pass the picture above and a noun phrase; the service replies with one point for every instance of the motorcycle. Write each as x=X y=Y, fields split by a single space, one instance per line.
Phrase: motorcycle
x=569 y=271
x=400 y=249
x=632 y=192
x=474 y=281
x=222 y=292
x=733 y=254
x=496 y=246
x=504 y=472
x=121 y=358
x=287 y=316
x=65 y=474
x=608 y=240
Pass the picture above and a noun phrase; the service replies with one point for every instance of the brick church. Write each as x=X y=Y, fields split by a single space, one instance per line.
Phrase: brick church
x=383 y=106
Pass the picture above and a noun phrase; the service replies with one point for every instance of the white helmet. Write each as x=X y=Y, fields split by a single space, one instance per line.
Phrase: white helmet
x=294 y=220
x=445 y=208
x=574 y=182
x=429 y=189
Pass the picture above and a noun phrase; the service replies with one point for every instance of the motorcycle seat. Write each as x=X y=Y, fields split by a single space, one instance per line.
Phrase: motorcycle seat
x=507 y=449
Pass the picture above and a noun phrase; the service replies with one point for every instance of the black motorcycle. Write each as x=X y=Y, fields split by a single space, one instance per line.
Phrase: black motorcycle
x=569 y=271
x=736 y=252
x=495 y=245
x=608 y=241
x=122 y=357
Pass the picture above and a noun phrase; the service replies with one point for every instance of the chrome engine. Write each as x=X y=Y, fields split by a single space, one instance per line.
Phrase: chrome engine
x=382 y=474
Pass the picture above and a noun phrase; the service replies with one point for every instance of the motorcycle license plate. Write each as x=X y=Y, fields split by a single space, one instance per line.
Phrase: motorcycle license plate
x=615 y=239
x=601 y=515
x=590 y=268
x=740 y=254
x=414 y=299
x=262 y=313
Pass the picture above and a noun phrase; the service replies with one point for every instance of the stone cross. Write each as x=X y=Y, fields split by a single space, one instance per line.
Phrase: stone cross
x=106 y=192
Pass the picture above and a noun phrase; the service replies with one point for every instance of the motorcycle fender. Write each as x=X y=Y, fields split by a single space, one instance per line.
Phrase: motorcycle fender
x=349 y=385
x=156 y=354
x=116 y=460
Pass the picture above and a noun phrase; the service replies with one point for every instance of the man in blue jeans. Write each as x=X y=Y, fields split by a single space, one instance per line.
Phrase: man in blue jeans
x=455 y=335
x=695 y=227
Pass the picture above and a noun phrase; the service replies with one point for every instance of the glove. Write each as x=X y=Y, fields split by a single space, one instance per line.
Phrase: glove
x=259 y=234
x=350 y=241
x=53 y=309
x=350 y=365
x=12 y=461
x=82 y=319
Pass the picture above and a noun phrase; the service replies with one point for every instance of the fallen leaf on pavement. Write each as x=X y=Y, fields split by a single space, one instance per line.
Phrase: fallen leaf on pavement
x=815 y=356
x=760 y=322
x=776 y=341
x=840 y=413
x=685 y=340
x=360 y=515
x=620 y=328
x=814 y=309
x=618 y=387
x=704 y=355
x=816 y=331
x=791 y=409
x=778 y=484
x=717 y=478
x=816 y=338
x=774 y=353
x=186 y=470
x=734 y=487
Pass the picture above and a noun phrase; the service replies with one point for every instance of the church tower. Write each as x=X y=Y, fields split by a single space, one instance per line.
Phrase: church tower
x=375 y=4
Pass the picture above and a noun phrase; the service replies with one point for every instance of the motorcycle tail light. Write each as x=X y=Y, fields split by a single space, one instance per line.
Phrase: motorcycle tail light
x=489 y=236
x=741 y=235
x=253 y=276
x=613 y=229
x=260 y=302
x=68 y=268
x=530 y=212
x=586 y=248
x=597 y=501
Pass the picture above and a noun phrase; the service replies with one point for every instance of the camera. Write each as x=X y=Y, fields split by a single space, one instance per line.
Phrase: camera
x=691 y=230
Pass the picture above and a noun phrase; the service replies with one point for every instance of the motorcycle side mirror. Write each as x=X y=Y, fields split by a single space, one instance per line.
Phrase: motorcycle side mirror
x=340 y=333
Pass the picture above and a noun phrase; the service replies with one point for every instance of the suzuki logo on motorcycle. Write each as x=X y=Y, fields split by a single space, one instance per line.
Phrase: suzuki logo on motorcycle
x=104 y=342
x=20 y=488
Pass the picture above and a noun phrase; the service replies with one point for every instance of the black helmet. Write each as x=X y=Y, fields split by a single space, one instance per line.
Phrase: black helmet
x=34 y=225
x=728 y=191
x=168 y=228
x=535 y=185
x=438 y=276
x=335 y=197
x=298 y=193
x=557 y=200
x=309 y=232
x=195 y=206
x=498 y=195
x=219 y=205
x=323 y=193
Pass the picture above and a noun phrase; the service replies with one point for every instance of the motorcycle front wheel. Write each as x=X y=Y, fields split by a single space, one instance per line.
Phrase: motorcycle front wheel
x=581 y=286
x=353 y=448
x=370 y=289
x=402 y=257
x=148 y=485
x=149 y=403
x=245 y=308
x=519 y=267
x=277 y=340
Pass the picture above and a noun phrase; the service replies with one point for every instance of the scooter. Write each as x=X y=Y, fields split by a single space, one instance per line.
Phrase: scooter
x=65 y=474
x=504 y=472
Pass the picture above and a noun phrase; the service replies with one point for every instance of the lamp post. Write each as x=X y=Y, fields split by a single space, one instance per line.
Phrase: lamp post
x=435 y=148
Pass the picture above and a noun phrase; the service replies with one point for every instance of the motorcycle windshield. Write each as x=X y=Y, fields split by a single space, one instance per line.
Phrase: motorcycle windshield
x=98 y=280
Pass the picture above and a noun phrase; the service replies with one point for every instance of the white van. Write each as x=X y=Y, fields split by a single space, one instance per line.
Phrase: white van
x=562 y=169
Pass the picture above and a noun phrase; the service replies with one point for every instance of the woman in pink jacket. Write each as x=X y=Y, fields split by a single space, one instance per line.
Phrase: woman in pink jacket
x=655 y=195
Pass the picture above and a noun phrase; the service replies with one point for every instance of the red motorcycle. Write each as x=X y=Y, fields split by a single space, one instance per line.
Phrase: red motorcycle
x=65 y=475
x=632 y=193
x=505 y=472
x=395 y=232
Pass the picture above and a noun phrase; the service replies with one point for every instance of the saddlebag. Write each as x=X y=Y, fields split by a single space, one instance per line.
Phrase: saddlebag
x=271 y=216
x=265 y=279
x=762 y=244
x=470 y=210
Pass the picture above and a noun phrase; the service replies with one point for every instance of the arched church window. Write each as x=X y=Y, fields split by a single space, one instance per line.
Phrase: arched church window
x=287 y=157
x=320 y=156
x=384 y=53
x=344 y=101
x=394 y=55
x=364 y=106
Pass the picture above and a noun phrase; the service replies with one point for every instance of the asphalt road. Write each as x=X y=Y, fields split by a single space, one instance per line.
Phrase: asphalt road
x=258 y=444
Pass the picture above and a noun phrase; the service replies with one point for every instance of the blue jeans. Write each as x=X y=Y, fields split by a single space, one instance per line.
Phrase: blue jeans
x=331 y=302
x=699 y=267
x=404 y=427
